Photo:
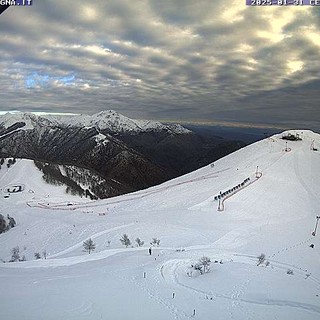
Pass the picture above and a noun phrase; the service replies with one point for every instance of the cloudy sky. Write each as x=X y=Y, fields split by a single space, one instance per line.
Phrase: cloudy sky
x=181 y=60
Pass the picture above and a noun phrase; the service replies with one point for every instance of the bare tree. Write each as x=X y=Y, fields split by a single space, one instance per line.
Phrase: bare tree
x=125 y=240
x=139 y=242
x=89 y=245
x=204 y=262
x=155 y=242
x=203 y=266
x=15 y=254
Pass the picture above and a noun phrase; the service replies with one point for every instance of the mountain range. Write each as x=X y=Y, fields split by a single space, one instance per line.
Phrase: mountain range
x=127 y=154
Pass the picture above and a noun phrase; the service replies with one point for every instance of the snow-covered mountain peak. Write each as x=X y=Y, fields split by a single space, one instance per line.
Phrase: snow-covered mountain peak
x=105 y=120
x=31 y=120
x=107 y=113
x=119 y=123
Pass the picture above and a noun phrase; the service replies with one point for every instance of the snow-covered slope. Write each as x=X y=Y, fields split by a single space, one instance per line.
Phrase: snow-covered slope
x=23 y=182
x=274 y=214
x=30 y=120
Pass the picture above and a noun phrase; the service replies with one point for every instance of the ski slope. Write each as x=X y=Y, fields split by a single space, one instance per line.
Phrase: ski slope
x=275 y=214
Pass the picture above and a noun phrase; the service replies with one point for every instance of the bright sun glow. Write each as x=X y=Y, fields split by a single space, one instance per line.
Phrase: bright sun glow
x=294 y=66
x=89 y=13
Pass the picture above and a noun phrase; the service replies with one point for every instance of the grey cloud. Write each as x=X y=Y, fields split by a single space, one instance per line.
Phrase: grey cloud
x=184 y=59
x=187 y=12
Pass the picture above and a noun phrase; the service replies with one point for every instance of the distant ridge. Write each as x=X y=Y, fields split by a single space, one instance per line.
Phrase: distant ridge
x=128 y=154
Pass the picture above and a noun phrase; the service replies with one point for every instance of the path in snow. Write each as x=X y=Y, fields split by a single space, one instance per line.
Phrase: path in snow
x=169 y=273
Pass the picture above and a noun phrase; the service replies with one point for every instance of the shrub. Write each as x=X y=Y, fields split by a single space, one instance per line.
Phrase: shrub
x=37 y=255
x=290 y=272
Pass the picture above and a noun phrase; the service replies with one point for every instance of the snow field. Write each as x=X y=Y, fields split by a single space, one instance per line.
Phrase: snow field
x=275 y=216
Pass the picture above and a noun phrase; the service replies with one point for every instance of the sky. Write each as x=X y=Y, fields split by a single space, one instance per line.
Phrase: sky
x=192 y=61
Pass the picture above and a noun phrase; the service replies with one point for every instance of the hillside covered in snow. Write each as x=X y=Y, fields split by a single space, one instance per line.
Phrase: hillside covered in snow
x=127 y=154
x=260 y=201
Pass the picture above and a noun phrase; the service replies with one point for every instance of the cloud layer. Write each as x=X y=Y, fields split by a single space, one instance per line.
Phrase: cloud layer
x=181 y=60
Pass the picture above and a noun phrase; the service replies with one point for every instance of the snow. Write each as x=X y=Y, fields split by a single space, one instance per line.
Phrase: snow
x=29 y=119
x=101 y=138
x=105 y=120
x=274 y=215
x=26 y=174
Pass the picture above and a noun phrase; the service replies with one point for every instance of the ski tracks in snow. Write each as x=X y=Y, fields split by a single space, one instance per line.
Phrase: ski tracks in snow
x=291 y=248
x=238 y=292
x=85 y=309
x=153 y=293
x=168 y=272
